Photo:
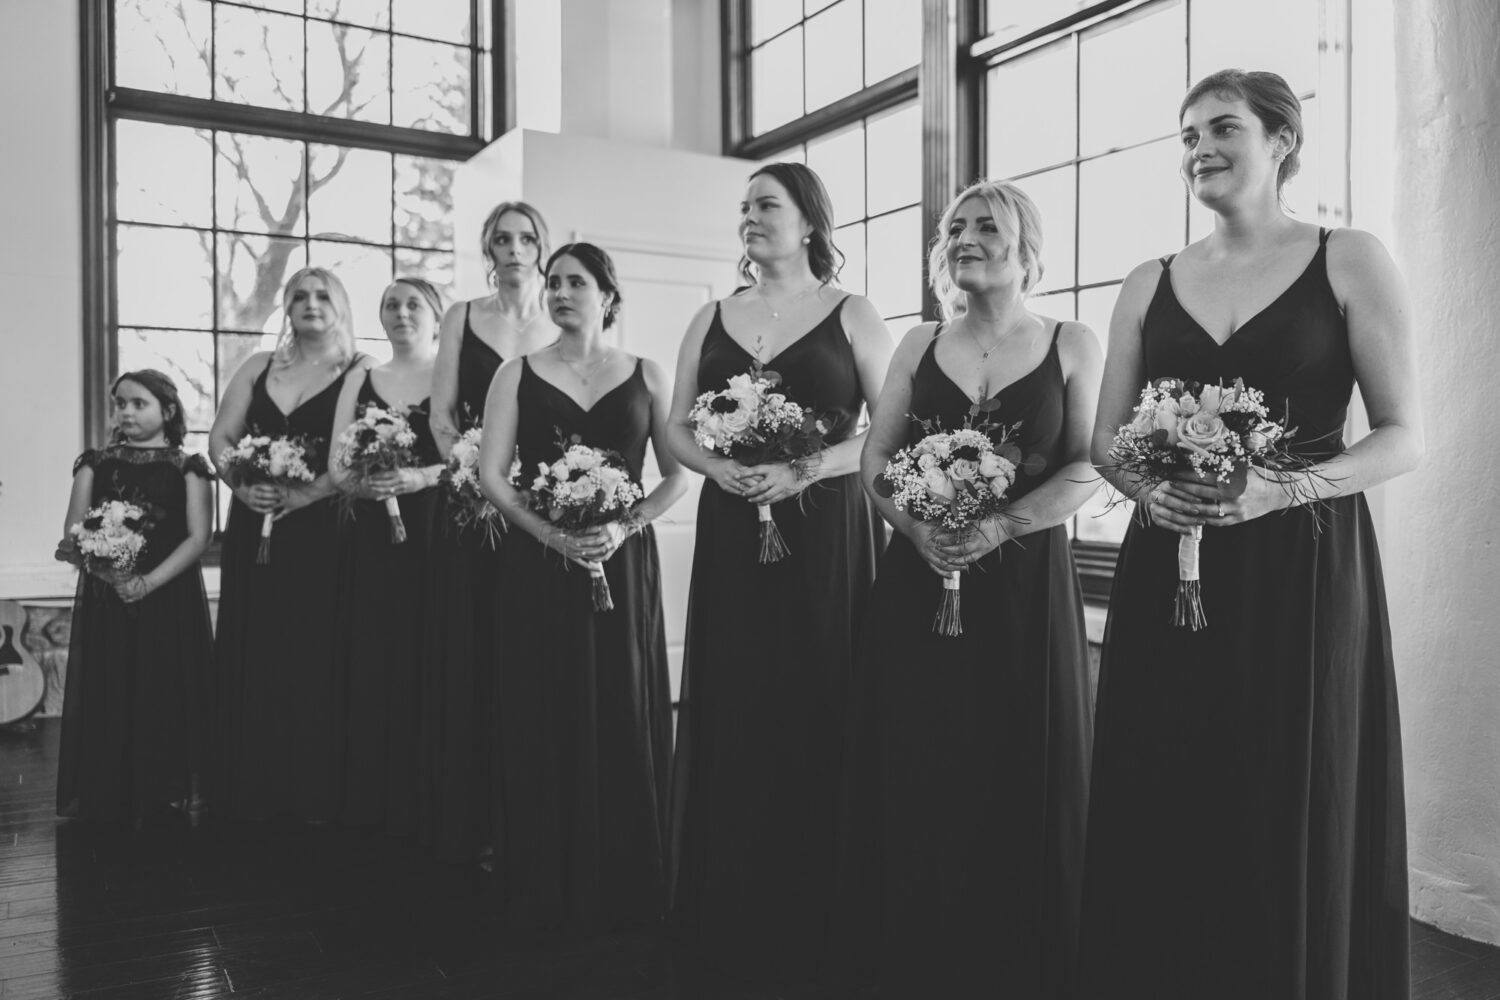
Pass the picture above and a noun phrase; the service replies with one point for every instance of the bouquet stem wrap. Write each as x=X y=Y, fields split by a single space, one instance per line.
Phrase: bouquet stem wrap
x=1188 y=610
x=603 y=599
x=398 y=526
x=772 y=545
x=263 y=551
x=947 y=621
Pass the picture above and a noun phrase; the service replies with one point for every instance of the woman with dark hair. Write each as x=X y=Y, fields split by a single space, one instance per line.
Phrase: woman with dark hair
x=141 y=651
x=275 y=734
x=1246 y=792
x=474 y=338
x=768 y=654
x=381 y=586
x=583 y=709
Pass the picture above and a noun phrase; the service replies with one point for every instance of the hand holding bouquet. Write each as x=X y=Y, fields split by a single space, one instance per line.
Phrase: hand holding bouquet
x=262 y=460
x=1215 y=434
x=754 y=424
x=957 y=480
x=585 y=488
x=469 y=505
x=379 y=440
x=110 y=538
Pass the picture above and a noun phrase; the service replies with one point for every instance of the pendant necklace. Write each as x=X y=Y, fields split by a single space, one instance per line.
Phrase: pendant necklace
x=587 y=371
x=776 y=313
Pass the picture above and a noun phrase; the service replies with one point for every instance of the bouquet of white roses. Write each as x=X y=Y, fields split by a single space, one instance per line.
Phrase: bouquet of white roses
x=460 y=477
x=379 y=440
x=754 y=423
x=586 y=488
x=1216 y=434
x=111 y=536
x=956 y=479
x=257 y=459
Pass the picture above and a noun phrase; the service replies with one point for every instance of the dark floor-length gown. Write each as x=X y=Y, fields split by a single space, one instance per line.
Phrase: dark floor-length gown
x=458 y=659
x=382 y=600
x=765 y=683
x=276 y=641
x=962 y=833
x=1247 y=787
x=582 y=699
x=138 y=674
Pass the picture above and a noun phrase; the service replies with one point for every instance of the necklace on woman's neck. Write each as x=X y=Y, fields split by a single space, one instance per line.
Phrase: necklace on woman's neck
x=587 y=370
x=790 y=300
x=985 y=352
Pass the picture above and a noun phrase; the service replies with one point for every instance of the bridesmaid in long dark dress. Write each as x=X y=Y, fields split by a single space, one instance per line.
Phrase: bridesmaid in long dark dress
x=769 y=646
x=962 y=840
x=277 y=629
x=141 y=651
x=459 y=653
x=1247 y=789
x=583 y=723
x=381 y=588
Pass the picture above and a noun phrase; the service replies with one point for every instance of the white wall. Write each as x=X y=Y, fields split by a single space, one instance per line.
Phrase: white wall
x=41 y=405
x=1441 y=538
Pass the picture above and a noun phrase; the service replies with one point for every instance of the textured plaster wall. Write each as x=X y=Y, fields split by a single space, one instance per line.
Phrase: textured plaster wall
x=1441 y=523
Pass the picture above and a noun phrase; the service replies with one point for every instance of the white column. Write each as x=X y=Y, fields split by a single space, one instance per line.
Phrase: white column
x=617 y=70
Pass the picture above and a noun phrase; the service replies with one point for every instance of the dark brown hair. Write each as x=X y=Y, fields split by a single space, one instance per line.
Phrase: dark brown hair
x=1269 y=98
x=598 y=264
x=807 y=192
x=160 y=385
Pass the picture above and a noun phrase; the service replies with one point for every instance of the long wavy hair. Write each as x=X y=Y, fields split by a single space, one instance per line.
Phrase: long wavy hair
x=1020 y=225
x=287 y=347
x=160 y=385
x=807 y=192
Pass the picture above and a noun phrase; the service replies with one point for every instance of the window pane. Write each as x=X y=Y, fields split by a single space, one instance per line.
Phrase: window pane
x=434 y=265
x=899 y=326
x=424 y=202
x=443 y=19
x=811 y=7
x=431 y=84
x=895 y=268
x=770 y=17
x=379 y=349
x=1127 y=96
x=369 y=13
x=257 y=58
x=1276 y=35
x=893 y=37
x=839 y=159
x=350 y=193
x=235 y=349
x=1033 y=111
x=894 y=142
x=1058 y=305
x=163 y=45
x=851 y=242
x=163 y=174
x=1055 y=195
x=1009 y=18
x=252 y=271
x=776 y=82
x=164 y=277
x=833 y=50
x=1095 y=307
x=348 y=73
x=365 y=272
x=187 y=356
x=261 y=186
x=1132 y=207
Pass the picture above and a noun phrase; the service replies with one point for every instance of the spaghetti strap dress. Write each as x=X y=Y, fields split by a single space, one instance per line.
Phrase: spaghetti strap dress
x=277 y=637
x=961 y=845
x=767 y=664
x=1247 y=781
x=582 y=698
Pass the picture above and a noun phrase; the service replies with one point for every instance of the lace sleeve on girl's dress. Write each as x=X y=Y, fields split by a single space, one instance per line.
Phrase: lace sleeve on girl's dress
x=198 y=466
x=89 y=458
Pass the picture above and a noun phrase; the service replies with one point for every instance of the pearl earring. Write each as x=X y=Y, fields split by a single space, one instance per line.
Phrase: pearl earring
x=806 y=240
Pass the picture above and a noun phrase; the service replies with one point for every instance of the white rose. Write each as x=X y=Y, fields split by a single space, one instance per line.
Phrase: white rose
x=963 y=470
x=938 y=483
x=737 y=422
x=1166 y=420
x=927 y=462
x=992 y=465
x=1000 y=486
x=1202 y=432
x=1212 y=398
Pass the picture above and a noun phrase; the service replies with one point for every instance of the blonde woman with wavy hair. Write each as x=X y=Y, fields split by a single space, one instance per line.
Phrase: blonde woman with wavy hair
x=275 y=751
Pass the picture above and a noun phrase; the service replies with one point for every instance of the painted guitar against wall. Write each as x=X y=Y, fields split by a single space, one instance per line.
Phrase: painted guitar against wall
x=22 y=684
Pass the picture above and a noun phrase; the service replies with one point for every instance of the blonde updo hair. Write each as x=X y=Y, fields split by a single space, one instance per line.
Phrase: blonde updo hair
x=1020 y=225
x=343 y=324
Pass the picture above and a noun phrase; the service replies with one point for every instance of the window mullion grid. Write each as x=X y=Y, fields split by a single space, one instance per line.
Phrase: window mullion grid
x=1077 y=169
x=215 y=320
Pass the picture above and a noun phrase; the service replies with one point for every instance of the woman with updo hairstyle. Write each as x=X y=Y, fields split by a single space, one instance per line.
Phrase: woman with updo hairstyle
x=1247 y=775
x=769 y=646
x=966 y=779
x=474 y=339
x=583 y=722
x=277 y=633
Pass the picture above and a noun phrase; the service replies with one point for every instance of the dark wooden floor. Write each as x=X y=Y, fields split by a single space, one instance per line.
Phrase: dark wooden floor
x=287 y=912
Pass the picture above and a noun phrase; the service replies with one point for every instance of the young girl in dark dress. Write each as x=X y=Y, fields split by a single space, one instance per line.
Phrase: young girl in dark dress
x=1246 y=793
x=769 y=649
x=141 y=652
x=583 y=724
x=966 y=778
x=382 y=584
x=459 y=652
x=276 y=742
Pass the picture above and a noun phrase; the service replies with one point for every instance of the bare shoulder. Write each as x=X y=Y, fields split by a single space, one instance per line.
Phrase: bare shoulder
x=860 y=310
x=1359 y=266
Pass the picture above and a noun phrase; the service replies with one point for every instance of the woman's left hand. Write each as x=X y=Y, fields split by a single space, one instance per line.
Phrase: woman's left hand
x=970 y=546
x=1217 y=508
x=779 y=481
x=133 y=588
x=396 y=482
x=600 y=543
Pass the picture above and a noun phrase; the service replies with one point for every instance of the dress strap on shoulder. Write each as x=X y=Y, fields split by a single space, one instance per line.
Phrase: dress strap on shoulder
x=939 y=328
x=1056 y=332
x=468 y=327
x=1323 y=234
x=1166 y=262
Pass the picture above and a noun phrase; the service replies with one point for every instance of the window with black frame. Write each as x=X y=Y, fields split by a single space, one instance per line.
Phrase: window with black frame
x=245 y=140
